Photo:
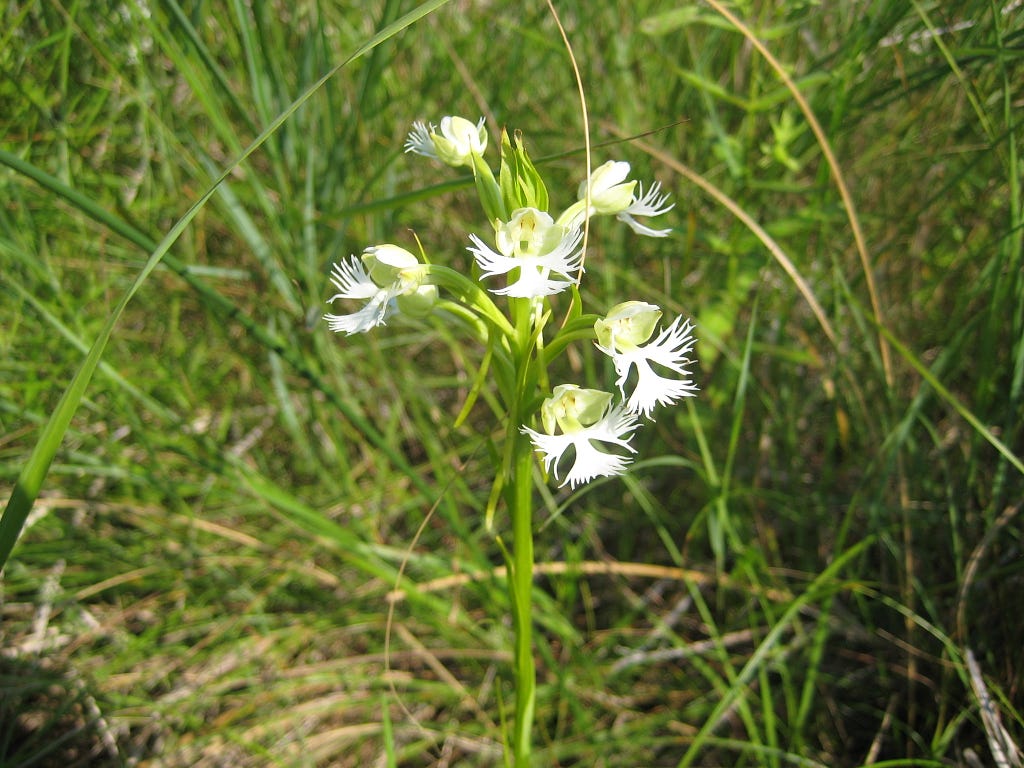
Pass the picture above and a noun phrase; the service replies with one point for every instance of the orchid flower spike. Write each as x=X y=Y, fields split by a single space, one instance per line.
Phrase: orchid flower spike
x=533 y=244
x=622 y=335
x=455 y=144
x=587 y=421
x=612 y=195
x=389 y=278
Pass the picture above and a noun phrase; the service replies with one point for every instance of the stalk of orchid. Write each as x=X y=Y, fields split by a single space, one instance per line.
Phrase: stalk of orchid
x=528 y=257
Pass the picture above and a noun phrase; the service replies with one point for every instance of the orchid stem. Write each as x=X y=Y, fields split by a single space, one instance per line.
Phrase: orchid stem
x=521 y=590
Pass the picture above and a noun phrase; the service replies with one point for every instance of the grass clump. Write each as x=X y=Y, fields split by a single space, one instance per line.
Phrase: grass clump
x=816 y=563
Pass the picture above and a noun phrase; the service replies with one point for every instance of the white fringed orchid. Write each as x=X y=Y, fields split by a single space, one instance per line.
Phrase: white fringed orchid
x=454 y=145
x=622 y=334
x=587 y=421
x=533 y=244
x=389 y=278
x=612 y=195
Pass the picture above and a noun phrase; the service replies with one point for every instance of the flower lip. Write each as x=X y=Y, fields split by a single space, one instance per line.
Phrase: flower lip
x=651 y=203
x=352 y=282
x=419 y=142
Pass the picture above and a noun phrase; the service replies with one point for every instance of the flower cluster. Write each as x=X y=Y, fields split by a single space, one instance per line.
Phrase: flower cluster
x=533 y=255
x=587 y=418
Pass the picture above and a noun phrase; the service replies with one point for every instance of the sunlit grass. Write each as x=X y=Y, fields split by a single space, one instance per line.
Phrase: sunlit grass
x=794 y=573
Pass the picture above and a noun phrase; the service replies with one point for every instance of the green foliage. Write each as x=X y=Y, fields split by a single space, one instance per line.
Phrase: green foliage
x=793 y=574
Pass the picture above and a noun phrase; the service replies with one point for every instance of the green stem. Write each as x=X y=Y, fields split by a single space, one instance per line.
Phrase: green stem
x=519 y=496
x=521 y=587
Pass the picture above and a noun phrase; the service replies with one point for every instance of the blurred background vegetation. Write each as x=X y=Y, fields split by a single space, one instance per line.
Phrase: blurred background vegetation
x=797 y=571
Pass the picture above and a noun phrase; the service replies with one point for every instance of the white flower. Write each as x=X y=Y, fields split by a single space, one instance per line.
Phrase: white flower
x=620 y=336
x=456 y=143
x=389 y=278
x=586 y=419
x=612 y=195
x=533 y=244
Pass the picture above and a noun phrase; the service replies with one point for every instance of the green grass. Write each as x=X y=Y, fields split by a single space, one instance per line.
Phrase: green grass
x=794 y=572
